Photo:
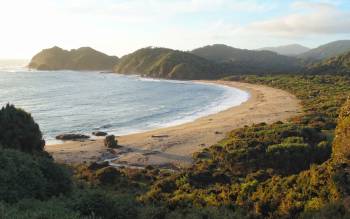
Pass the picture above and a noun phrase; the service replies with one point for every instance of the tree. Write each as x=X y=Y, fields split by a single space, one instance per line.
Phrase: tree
x=25 y=176
x=19 y=131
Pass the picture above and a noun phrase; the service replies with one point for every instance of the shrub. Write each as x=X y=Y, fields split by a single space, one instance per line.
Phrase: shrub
x=102 y=205
x=20 y=177
x=330 y=211
x=107 y=175
x=19 y=131
x=24 y=176
x=212 y=213
x=58 y=177
x=31 y=208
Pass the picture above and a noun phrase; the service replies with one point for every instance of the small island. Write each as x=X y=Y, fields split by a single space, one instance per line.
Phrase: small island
x=82 y=59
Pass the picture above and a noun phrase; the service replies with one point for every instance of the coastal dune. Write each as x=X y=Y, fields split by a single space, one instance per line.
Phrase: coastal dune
x=175 y=145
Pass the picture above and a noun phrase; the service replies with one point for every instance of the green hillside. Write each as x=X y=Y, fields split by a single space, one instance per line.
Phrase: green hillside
x=326 y=51
x=248 y=61
x=338 y=65
x=166 y=63
x=84 y=58
x=209 y=62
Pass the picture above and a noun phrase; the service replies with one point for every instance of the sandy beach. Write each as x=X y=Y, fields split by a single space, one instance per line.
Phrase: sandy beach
x=175 y=145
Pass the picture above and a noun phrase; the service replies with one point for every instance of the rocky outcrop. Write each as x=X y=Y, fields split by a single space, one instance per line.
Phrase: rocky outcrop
x=99 y=133
x=67 y=137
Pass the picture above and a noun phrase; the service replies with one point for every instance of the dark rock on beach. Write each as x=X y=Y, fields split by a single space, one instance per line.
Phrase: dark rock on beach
x=66 y=137
x=111 y=142
x=99 y=133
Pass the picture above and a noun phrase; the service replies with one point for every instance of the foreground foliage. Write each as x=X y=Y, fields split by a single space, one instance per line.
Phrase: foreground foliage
x=339 y=63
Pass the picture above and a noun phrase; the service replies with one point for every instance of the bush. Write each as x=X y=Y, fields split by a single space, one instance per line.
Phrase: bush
x=212 y=213
x=24 y=176
x=58 y=177
x=102 y=205
x=19 y=131
x=330 y=211
x=31 y=208
x=107 y=175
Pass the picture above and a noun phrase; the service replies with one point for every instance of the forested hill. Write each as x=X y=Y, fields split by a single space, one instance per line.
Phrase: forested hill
x=84 y=58
x=248 y=61
x=326 y=51
x=211 y=62
x=167 y=63
x=335 y=65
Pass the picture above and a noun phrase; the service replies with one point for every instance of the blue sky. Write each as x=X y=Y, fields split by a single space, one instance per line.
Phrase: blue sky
x=118 y=27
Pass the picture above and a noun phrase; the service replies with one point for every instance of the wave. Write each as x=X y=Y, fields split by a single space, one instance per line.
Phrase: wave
x=231 y=98
x=62 y=102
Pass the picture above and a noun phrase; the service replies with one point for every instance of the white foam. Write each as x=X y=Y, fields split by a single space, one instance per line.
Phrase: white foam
x=231 y=98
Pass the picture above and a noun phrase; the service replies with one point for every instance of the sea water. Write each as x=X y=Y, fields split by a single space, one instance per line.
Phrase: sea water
x=83 y=102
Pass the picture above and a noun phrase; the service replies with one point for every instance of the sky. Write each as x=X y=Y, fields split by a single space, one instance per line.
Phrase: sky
x=118 y=27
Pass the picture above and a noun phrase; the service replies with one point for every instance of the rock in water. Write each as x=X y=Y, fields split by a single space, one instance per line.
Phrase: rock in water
x=66 y=137
x=111 y=142
x=99 y=133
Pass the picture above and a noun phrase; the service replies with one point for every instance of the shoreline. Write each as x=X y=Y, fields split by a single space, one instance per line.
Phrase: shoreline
x=174 y=145
x=231 y=100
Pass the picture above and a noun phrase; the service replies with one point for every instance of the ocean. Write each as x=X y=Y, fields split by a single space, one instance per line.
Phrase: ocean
x=83 y=102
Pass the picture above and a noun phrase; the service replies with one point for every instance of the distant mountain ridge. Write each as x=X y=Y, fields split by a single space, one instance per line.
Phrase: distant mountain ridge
x=326 y=51
x=248 y=61
x=288 y=50
x=84 y=58
x=208 y=62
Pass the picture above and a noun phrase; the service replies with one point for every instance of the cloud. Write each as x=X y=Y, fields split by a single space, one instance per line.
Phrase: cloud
x=310 y=18
x=153 y=10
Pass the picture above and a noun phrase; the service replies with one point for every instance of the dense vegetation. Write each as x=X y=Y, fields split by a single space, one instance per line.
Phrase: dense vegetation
x=339 y=64
x=84 y=58
x=26 y=171
x=248 y=61
x=167 y=63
